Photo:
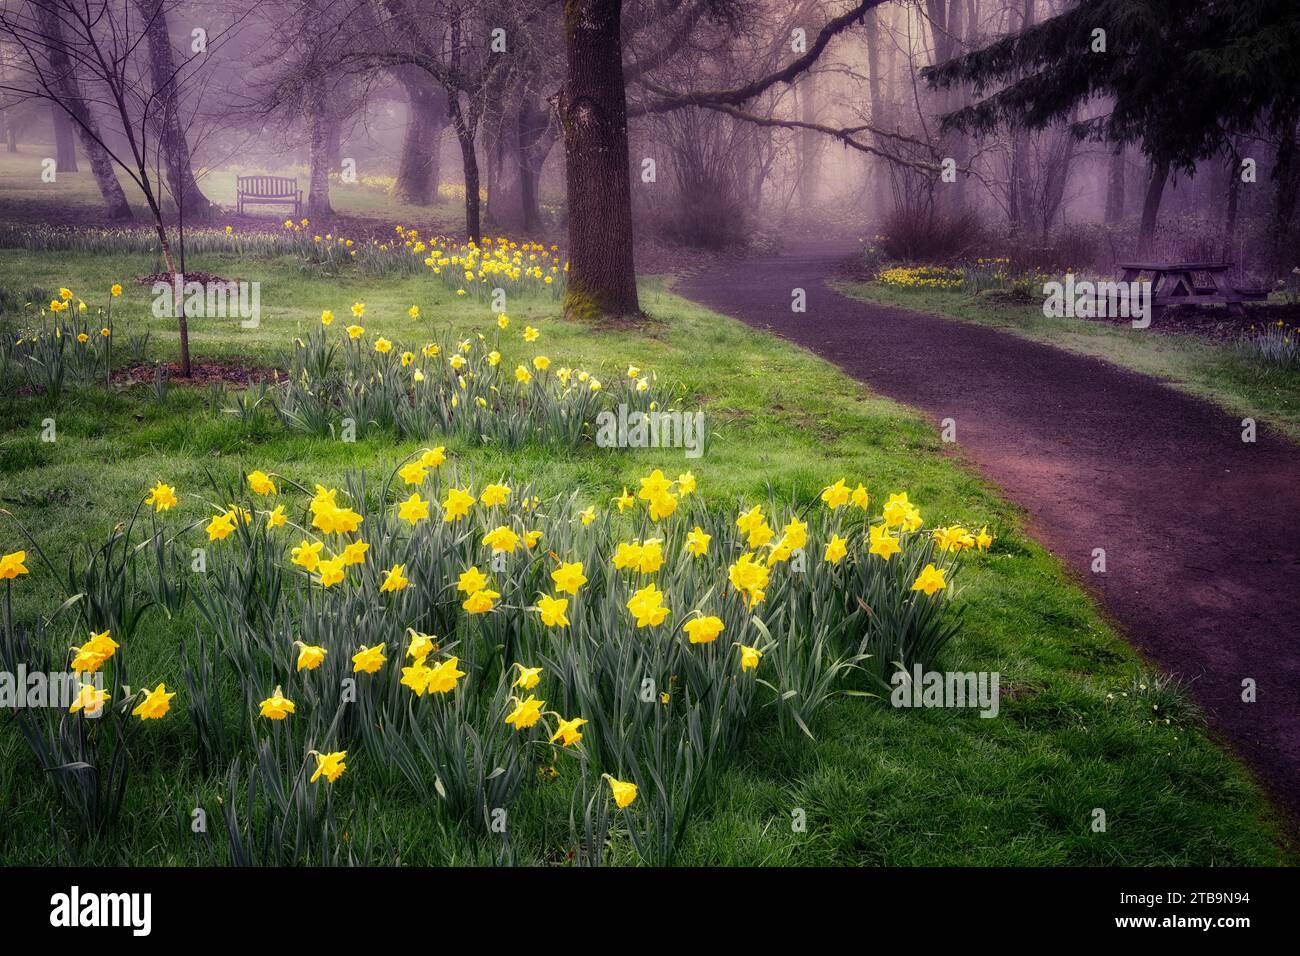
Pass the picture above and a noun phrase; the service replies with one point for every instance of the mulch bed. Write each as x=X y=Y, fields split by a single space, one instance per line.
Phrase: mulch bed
x=206 y=278
x=1214 y=322
x=201 y=374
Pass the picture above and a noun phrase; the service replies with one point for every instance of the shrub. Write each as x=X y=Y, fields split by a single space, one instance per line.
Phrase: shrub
x=1070 y=249
x=933 y=236
x=705 y=216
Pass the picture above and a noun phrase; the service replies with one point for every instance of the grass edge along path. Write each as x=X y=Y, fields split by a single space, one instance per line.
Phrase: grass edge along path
x=1211 y=370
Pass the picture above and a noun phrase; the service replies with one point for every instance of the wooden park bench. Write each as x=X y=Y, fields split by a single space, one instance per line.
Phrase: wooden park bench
x=1174 y=283
x=269 y=190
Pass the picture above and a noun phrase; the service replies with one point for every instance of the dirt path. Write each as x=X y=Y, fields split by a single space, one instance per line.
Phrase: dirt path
x=1201 y=530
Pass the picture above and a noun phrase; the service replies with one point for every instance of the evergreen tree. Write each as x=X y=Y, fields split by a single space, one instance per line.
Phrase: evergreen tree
x=1182 y=78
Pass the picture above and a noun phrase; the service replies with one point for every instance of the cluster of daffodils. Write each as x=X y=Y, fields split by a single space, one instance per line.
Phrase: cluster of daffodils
x=68 y=340
x=484 y=639
x=921 y=277
x=471 y=269
x=467 y=269
x=466 y=386
x=1274 y=343
x=980 y=275
x=63 y=302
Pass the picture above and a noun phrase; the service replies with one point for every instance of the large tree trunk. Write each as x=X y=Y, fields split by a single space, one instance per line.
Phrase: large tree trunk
x=417 y=171
x=1055 y=179
x=505 y=177
x=1019 y=201
x=956 y=96
x=334 y=141
x=536 y=137
x=65 y=143
x=877 y=170
x=1115 y=186
x=1232 y=198
x=68 y=91
x=189 y=199
x=809 y=143
x=318 y=191
x=469 y=160
x=1286 y=182
x=465 y=125
x=1151 y=207
x=593 y=112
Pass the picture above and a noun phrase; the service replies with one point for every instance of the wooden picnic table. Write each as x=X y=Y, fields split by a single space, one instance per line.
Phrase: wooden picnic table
x=1174 y=283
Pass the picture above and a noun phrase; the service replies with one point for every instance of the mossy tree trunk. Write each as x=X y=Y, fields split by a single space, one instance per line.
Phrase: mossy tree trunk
x=593 y=111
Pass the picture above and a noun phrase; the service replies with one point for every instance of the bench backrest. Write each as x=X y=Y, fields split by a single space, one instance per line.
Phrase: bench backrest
x=268 y=185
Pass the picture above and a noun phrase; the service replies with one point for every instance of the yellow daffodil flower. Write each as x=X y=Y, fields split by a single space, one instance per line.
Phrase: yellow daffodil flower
x=836 y=495
x=703 y=630
x=310 y=656
x=623 y=792
x=260 y=484
x=552 y=610
x=526 y=713
x=471 y=580
x=155 y=705
x=368 y=660
x=330 y=766
x=395 y=579
x=697 y=542
x=501 y=540
x=567 y=732
x=161 y=497
x=413 y=510
x=307 y=555
x=457 y=504
x=529 y=677
x=480 y=602
x=90 y=700
x=494 y=495
x=442 y=679
x=883 y=543
x=929 y=580
x=647 y=607
x=11 y=565
x=568 y=577
x=277 y=706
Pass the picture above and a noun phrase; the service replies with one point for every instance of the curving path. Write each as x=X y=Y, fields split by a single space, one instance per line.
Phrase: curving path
x=1201 y=530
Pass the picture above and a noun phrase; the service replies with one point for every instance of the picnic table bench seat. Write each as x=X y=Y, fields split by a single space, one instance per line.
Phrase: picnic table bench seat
x=1175 y=283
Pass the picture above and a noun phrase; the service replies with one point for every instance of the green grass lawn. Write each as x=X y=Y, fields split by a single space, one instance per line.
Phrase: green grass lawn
x=1212 y=370
x=1080 y=724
